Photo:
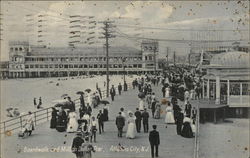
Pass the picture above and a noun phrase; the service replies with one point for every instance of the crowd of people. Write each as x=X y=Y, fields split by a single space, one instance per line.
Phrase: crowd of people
x=177 y=87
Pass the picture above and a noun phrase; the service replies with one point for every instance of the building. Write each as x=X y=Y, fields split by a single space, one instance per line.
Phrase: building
x=26 y=61
x=227 y=81
x=4 y=70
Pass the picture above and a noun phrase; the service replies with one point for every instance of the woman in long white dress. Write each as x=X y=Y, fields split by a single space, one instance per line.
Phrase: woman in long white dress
x=72 y=125
x=167 y=94
x=131 y=126
x=169 y=115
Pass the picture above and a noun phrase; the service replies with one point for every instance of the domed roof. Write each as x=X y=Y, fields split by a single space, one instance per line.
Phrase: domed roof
x=231 y=59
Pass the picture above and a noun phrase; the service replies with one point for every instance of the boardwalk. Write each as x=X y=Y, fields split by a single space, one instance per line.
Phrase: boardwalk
x=44 y=138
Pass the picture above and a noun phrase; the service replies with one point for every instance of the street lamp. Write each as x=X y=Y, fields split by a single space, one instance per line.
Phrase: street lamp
x=123 y=61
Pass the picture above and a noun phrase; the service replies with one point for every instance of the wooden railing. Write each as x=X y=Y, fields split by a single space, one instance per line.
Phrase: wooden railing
x=39 y=116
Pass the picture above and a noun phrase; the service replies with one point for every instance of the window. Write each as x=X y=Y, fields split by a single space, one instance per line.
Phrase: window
x=150 y=58
x=46 y=66
x=85 y=66
x=139 y=65
x=31 y=66
x=90 y=66
x=80 y=66
x=56 y=66
x=70 y=66
x=146 y=58
x=26 y=66
x=16 y=49
x=50 y=66
x=135 y=65
x=41 y=66
x=66 y=66
x=75 y=66
x=95 y=66
x=37 y=66
x=20 y=49
x=100 y=66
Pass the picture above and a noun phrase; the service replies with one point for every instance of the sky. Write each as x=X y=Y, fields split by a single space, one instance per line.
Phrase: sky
x=133 y=20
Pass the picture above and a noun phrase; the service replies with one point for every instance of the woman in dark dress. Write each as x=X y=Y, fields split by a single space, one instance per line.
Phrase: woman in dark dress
x=53 y=118
x=187 y=130
x=61 y=121
x=106 y=112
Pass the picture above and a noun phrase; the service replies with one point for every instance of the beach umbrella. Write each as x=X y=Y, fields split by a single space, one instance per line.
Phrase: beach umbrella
x=88 y=90
x=104 y=102
x=64 y=95
x=141 y=95
x=8 y=109
x=80 y=92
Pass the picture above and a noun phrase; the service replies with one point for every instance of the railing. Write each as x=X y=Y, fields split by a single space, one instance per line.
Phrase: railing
x=39 y=116
x=197 y=134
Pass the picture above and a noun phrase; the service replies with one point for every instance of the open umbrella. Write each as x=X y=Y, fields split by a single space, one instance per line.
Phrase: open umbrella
x=104 y=102
x=65 y=105
x=64 y=95
x=8 y=109
x=80 y=92
x=141 y=95
x=88 y=90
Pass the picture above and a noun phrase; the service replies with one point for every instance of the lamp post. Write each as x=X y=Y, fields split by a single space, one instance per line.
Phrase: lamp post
x=123 y=61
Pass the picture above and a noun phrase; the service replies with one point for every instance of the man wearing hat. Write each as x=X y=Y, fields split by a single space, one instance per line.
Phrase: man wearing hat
x=76 y=145
x=154 y=139
x=120 y=122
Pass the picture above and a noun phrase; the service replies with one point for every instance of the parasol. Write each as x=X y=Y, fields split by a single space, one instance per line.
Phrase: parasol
x=141 y=95
x=65 y=105
x=64 y=95
x=88 y=90
x=80 y=92
x=104 y=102
x=8 y=109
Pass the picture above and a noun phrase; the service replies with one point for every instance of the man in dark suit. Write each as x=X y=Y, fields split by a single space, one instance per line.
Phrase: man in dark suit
x=76 y=145
x=138 y=120
x=119 y=88
x=112 y=93
x=120 y=122
x=100 y=118
x=179 y=122
x=153 y=107
x=154 y=139
x=145 y=117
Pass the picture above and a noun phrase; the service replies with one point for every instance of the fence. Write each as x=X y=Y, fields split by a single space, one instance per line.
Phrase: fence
x=197 y=133
x=39 y=116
